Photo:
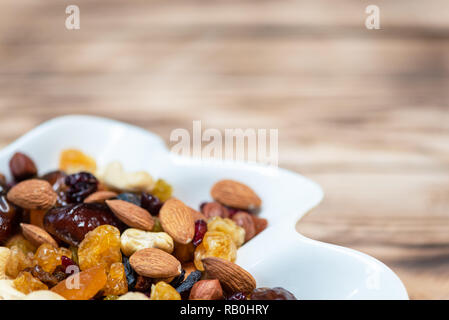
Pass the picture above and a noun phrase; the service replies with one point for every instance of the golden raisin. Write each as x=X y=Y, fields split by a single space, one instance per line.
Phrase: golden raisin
x=215 y=244
x=26 y=283
x=162 y=190
x=100 y=247
x=49 y=257
x=116 y=284
x=164 y=291
x=16 y=262
x=83 y=285
x=22 y=243
x=73 y=160
x=229 y=227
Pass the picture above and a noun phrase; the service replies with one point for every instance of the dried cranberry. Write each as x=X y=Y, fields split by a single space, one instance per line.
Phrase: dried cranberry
x=150 y=203
x=80 y=186
x=277 y=293
x=200 y=231
x=66 y=262
x=237 y=296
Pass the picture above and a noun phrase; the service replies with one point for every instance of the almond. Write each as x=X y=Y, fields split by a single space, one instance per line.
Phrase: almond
x=131 y=214
x=100 y=196
x=206 y=290
x=244 y=220
x=232 y=277
x=197 y=215
x=33 y=194
x=155 y=263
x=36 y=235
x=22 y=167
x=235 y=194
x=177 y=220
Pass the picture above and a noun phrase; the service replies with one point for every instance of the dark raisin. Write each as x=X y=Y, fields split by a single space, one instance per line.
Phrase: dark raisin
x=50 y=279
x=187 y=284
x=131 y=276
x=151 y=203
x=143 y=284
x=71 y=223
x=129 y=197
x=81 y=185
x=237 y=296
x=277 y=293
x=200 y=231
x=178 y=280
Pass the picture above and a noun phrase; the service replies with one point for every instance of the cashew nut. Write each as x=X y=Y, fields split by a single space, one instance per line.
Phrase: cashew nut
x=43 y=295
x=8 y=292
x=115 y=177
x=133 y=240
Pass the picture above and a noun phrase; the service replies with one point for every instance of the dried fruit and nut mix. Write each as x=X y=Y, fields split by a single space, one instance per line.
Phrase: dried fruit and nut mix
x=83 y=232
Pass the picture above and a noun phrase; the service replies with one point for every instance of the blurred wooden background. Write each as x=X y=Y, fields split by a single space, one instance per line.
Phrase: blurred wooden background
x=364 y=113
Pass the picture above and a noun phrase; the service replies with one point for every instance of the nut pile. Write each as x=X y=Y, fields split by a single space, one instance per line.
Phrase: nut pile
x=81 y=233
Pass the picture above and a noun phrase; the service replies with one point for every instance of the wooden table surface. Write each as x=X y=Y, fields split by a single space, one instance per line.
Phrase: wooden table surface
x=362 y=112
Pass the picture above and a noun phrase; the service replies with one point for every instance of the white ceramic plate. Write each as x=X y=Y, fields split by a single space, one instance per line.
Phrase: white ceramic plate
x=279 y=256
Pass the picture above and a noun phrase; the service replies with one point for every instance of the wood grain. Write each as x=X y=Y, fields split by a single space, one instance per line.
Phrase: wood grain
x=364 y=113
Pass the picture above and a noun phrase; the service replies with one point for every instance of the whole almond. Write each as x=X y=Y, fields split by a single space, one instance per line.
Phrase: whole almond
x=155 y=263
x=36 y=235
x=244 y=220
x=177 y=220
x=100 y=196
x=197 y=215
x=132 y=215
x=206 y=290
x=235 y=194
x=22 y=167
x=214 y=209
x=232 y=277
x=33 y=194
